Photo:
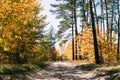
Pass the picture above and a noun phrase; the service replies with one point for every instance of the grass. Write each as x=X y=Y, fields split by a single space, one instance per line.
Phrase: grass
x=110 y=69
x=12 y=69
x=19 y=71
x=109 y=72
x=88 y=67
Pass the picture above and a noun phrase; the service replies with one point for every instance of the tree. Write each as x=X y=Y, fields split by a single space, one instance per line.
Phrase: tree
x=112 y=21
x=73 y=48
x=107 y=20
x=102 y=18
x=67 y=11
x=97 y=61
x=95 y=12
x=51 y=39
x=20 y=21
x=107 y=24
x=118 y=24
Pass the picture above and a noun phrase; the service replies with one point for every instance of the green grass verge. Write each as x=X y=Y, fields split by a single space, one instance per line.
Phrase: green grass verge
x=111 y=68
x=13 y=69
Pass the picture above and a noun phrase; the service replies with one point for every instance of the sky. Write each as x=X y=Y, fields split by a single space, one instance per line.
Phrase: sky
x=50 y=17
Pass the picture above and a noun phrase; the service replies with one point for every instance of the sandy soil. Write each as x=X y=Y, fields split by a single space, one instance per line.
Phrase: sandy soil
x=64 y=71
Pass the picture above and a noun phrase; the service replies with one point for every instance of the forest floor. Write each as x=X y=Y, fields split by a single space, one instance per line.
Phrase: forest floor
x=70 y=71
x=65 y=70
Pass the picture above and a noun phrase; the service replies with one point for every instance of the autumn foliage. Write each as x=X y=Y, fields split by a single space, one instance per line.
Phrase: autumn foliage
x=55 y=54
x=19 y=21
x=107 y=49
x=67 y=55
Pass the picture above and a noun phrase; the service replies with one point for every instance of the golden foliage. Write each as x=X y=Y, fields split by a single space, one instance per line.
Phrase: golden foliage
x=55 y=55
x=67 y=55
x=107 y=49
x=19 y=20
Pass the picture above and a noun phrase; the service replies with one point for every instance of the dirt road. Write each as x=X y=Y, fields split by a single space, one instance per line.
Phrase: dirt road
x=64 y=71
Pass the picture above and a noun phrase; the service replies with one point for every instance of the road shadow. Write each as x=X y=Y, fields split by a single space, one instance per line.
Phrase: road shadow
x=64 y=72
x=108 y=75
x=87 y=67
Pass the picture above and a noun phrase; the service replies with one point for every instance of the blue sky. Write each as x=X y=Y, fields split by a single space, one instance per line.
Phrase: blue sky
x=50 y=17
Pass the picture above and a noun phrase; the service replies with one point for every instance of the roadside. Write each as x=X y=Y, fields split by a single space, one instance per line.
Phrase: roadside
x=19 y=71
x=65 y=70
x=71 y=71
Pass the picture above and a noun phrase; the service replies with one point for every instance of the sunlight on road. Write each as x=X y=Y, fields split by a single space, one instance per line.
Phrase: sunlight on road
x=64 y=71
x=65 y=64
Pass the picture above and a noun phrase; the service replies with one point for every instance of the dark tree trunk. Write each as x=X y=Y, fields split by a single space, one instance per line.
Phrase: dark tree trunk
x=76 y=31
x=87 y=14
x=102 y=31
x=118 y=45
x=97 y=61
x=17 y=58
x=75 y=18
x=84 y=16
x=112 y=22
x=72 y=42
x=73 y=55
x=106 y=8
x=96 y=17
x=102 y=20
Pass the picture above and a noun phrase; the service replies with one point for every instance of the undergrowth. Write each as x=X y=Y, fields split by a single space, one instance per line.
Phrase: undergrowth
x=19 y=71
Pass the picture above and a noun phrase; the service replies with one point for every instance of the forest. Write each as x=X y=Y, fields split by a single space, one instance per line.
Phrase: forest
x=94 y=27
x=88 y=32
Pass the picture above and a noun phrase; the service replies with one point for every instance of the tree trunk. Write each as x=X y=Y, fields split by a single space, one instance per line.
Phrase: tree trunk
x=96 y=17
x=84 y=16
x=97 y=61
x=102 y=20
x=87 y=14
x=73 y=55
x=75 y=18
x=118 y=45
x=107 y=20
x=118 y=24
x=76 y=31
x=17 y=58
x=112 y=22
x=72 y=42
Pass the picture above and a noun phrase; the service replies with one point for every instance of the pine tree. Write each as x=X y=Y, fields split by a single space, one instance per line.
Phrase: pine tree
x=67 y=12
x=97 y=61
x=118 y=24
